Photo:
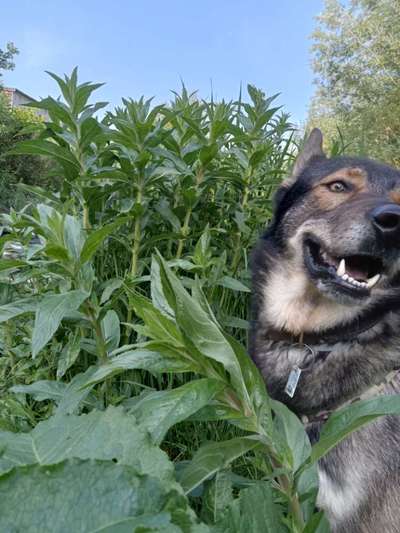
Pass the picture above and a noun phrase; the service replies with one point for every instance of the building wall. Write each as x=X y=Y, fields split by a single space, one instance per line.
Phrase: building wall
x=18 y=98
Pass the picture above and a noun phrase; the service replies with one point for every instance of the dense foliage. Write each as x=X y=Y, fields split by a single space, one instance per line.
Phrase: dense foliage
x=123 y=369
x=357 y=62
x=7 y=58
x=17 y=124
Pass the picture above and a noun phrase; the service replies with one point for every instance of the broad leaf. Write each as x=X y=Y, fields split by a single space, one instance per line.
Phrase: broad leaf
x=200 y=331
x=97 y=237
x=255 y=511
x=17 y=308
x=292 y=431
x=49 y=314
x=106 y=435
x=111 y=330
x=69 y=354
x=346 y=420
x=87 y=497
x=137 y=359
x=212 y=457
x=159 y=411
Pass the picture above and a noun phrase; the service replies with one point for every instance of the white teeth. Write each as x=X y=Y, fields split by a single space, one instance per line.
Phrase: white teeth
x=341 y=268
x=341 y=272
x=348 y=278
x=373 y=281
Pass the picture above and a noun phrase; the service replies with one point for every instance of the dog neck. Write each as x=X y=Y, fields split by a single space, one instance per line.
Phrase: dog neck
x=341 y=333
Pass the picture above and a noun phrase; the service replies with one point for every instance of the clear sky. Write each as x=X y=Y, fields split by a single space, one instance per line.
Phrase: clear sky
x=146 y=46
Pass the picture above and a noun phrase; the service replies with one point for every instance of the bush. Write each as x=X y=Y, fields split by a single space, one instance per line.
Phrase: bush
x=17 y=124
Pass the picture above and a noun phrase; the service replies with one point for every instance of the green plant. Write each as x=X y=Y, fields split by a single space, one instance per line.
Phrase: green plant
x=123 y=326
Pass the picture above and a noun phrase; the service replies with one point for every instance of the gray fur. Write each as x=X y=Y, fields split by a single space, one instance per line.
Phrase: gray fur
x=360 y=478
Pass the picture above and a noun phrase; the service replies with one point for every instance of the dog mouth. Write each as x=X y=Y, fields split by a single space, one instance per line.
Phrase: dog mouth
x=355 y=274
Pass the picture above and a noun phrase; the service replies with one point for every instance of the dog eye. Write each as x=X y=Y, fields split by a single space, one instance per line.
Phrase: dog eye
x=337 y=186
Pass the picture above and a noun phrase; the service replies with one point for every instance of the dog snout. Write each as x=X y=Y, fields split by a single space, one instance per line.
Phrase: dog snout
x=386 y=221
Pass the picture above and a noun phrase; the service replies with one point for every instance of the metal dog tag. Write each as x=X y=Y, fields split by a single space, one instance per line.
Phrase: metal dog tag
x=293 y=379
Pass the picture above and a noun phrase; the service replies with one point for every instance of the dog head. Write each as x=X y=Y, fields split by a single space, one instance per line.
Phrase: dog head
x=334 y=242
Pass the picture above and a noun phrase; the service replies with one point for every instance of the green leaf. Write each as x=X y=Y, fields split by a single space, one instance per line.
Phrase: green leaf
x=69 y=354
x=318 y=523
x=49 y=149
x=158 y=326
x=348 y=419
x=111 y=286
x=73 y=236
x=231 y=283
x=160 y=299
x=138 y=359
x=86 y=497
x=76 y=393
x=212 y=457
x=67 y=396
x=106 y=435
x=97 y=237
x=42 y=390
x=217 y=497
x=111 y=330
x=200 y=331
x=291 y=430
x=17 y=308
x=49 y=314
x=7 y=264
x=255 y=511
x=165 y=211
x=159 y=411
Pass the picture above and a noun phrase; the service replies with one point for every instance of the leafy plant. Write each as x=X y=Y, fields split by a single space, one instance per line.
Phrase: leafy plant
x=123 y=322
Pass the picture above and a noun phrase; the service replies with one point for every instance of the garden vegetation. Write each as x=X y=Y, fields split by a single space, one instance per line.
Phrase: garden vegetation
x=128 y=400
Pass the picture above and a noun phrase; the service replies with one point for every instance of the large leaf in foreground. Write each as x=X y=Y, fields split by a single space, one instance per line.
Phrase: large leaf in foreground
x=106 y=435
x=86 y=497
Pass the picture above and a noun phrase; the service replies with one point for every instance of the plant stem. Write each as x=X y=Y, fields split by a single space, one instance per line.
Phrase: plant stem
x=86 y=220
x=294 y=505
x=99 y=337
x=185 y=232
x=134 y=258
x=237 y=243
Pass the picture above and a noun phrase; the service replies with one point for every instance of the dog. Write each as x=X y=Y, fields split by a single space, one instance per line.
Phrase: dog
x=326 y=321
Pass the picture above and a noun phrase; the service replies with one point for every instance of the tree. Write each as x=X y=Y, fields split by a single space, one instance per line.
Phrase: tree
x=7 y=58
x=357 y=62
x=15 y=125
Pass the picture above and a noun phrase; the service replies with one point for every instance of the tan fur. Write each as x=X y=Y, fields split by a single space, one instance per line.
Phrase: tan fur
x=291 y=300
x=294 y=305
x=327 y=199
x=395 y=196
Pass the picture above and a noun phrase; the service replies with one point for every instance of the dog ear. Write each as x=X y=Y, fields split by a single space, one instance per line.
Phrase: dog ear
x=312 y=148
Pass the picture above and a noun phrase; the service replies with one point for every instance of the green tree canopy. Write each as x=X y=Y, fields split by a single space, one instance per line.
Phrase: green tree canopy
x=7 y=58
x=357 y=63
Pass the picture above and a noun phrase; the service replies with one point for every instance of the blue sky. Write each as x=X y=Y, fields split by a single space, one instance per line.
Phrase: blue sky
x=145 y=47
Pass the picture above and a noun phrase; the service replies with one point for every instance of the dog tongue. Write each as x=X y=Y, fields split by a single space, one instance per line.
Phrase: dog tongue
x=356 y=273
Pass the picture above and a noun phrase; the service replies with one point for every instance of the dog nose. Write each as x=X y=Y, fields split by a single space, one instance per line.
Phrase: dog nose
x=386 y=219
